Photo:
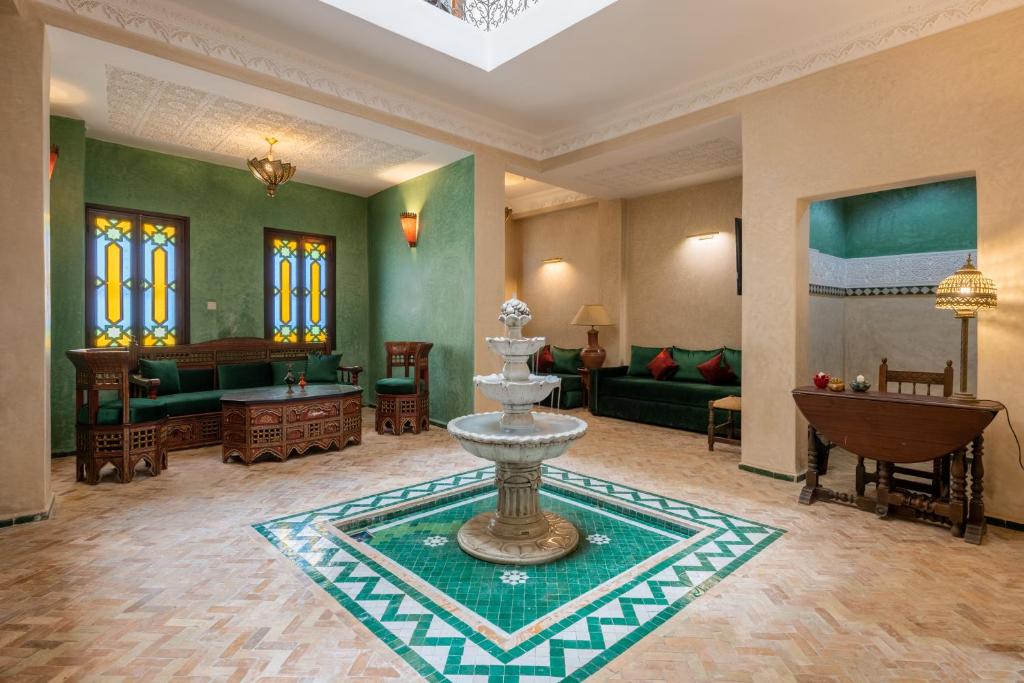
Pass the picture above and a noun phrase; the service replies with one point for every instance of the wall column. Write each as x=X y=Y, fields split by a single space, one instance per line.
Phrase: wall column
x=489 y=266
x=24 y=266
x=611 y=225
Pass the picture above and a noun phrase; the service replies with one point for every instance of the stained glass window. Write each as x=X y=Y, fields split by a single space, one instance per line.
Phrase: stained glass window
x=299 y=277
x=134 y=279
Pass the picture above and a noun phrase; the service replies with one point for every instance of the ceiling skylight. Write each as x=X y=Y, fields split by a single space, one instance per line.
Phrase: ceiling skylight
x=486 y=15
x=483 y=33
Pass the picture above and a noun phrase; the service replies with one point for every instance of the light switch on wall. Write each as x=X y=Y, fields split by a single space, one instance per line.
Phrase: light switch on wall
x=211 y=305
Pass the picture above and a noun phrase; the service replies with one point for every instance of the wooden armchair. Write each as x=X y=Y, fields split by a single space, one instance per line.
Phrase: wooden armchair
x=117 y=430
x=403 y=402
x=936 y=482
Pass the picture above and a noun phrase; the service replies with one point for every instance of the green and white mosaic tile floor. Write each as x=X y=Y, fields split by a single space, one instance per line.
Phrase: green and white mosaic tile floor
x=392 y=560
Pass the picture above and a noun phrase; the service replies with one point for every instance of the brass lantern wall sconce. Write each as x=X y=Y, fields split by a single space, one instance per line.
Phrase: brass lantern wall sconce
x=411 y=227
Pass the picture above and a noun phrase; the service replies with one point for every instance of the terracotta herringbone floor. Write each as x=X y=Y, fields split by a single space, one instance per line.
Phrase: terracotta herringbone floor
x=163 y=579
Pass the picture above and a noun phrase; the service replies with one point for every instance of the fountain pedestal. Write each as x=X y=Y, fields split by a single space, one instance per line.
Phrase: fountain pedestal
x=519 y=531
x=517 y=441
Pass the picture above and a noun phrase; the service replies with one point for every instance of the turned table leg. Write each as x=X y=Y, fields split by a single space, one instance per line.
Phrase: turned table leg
x=957 y=489
x=882 y=489
x=811 y=482
x=976 y=510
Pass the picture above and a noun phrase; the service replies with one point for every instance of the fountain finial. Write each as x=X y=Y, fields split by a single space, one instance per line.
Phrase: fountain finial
x=515 y=313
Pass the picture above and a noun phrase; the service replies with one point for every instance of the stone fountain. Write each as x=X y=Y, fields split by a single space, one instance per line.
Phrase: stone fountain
x=517 y=440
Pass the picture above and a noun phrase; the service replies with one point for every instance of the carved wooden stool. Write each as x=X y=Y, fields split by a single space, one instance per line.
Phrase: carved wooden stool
x=403 y=403
x=732 y=405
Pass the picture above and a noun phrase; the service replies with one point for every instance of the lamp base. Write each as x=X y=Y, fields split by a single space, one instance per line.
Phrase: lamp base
x=593 y=356
x=965 y=396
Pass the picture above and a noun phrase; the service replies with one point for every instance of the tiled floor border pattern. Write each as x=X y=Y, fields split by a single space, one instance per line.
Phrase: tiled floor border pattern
x=443 y=648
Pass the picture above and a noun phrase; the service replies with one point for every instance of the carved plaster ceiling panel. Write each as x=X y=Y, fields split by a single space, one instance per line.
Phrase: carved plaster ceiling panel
x=154 y=109
x=712 y=155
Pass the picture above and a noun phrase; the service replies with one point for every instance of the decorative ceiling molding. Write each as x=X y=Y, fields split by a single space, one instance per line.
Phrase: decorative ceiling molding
x=897 y=28
x=154 y=109
x=678 y=164
x=545 y=200
x=195 y=33
x=199 y=34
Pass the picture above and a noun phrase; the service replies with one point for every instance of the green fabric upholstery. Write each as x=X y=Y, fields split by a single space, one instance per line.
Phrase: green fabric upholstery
x=279 y=368
x=395 y=386
x=688 y=360
x=193 y=403
x=571 y=395
x=683 y=405
x=639 y=357
x=322 y=368
x=243 y=375
x=567 y=361
x=140 y=410
x=196 y=379
x=734 y=358
x=164 y=370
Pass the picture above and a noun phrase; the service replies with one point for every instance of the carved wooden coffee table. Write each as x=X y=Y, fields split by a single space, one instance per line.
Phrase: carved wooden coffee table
x=270 y=421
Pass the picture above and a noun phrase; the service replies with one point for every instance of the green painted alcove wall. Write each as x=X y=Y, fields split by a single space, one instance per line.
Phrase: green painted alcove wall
x=426 y=293
x=933 y=217
x=227 y=210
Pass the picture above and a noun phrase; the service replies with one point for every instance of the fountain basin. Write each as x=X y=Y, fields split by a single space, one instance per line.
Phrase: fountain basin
x=523 y=347
x=525 y=392
x=482 y=435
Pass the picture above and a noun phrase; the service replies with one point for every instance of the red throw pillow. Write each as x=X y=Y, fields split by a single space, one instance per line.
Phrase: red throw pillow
x=662 y=366
x=546 y=360
x=717 y=371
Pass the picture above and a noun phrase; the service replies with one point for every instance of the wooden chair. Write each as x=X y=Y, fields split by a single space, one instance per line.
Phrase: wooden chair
x=111 y=432
x=935 y=482
x=404 y=402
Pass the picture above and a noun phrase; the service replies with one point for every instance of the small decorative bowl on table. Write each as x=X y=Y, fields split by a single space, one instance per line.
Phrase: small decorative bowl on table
x=836 y=384
x=860 y=384
x=821 y=380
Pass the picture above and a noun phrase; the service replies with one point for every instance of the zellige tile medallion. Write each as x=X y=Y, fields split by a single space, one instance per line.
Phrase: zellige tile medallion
x=392 y=561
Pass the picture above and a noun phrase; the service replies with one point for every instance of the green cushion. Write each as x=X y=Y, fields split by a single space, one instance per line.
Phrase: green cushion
x=164 y=370
x=688 y=360
x=567 y=361
x=194 y=403
x=196 y=379
x=395 y=385
x=573 y=382
x=279 y=368
x=243 y=375
x=322 y=368
x=650 y=389
x=734 y=358
x=140 y=410
x=639 y=357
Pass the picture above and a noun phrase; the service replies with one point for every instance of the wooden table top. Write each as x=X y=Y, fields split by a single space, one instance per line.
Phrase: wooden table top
x=279 y=394
x=892 y=427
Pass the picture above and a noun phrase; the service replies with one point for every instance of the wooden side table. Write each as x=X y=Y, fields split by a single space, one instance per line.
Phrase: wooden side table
x=585 y=383
x=733 y=405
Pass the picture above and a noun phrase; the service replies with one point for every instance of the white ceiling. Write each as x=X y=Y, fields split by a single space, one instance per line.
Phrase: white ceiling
x=133 y=98
x=628 y=65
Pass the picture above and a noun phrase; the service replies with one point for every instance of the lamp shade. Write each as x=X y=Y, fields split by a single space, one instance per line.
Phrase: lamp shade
x=593 y=315
x=966 y=291
x=411 y=227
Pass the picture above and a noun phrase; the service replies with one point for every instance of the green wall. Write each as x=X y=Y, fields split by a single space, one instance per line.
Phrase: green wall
x=228 y=210
x=67 y=274
x=933 y=217
x=426 y=293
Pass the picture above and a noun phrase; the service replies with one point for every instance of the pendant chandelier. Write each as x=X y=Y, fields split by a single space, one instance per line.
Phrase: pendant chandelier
x=270 y=171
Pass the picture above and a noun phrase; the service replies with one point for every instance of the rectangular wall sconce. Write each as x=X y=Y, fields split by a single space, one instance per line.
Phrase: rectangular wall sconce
x=411 y=227
x=704 y=235
x=556 y=259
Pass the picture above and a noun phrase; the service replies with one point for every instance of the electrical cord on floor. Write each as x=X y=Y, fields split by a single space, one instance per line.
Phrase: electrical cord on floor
x=1009 y=422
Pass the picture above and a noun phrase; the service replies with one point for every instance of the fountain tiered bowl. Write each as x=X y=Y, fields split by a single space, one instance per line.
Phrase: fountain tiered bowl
x=517 y=440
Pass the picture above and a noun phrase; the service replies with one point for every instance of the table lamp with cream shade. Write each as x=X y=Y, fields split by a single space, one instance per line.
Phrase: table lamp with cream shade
x=965 y=292
x=596 y=316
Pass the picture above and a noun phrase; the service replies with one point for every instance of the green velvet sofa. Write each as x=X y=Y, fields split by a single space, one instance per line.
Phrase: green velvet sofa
x=184 y=383
x=631 y=393
x=566 y=363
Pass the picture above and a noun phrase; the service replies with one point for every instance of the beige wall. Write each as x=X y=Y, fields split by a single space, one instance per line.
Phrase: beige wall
x=489 y=265
x=24 y=278
x=683 y=291
x=849 y=336
x=945 y=106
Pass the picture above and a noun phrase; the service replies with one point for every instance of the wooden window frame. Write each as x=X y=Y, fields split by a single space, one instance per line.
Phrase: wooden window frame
x=182 y=261
x=269 y=234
